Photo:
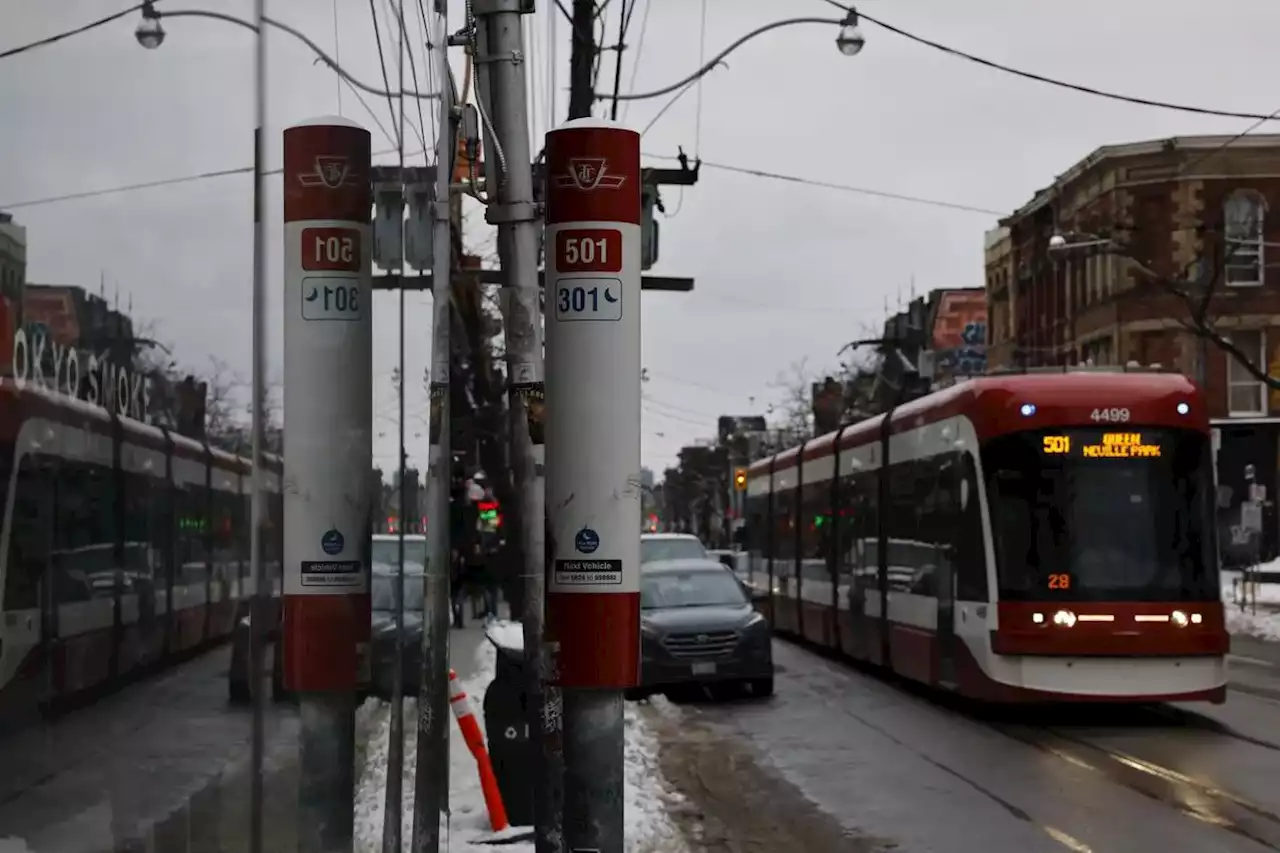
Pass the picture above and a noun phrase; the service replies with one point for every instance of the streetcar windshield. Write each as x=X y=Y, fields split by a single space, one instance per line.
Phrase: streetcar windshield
x=386 y=552
x=1103 y=514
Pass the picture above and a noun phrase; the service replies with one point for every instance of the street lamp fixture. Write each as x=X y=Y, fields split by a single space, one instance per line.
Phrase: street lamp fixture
x=150 y=33
x=1059 y=243
x=850 y=41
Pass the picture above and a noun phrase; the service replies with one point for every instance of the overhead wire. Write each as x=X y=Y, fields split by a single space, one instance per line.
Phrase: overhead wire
x=702 y=57
x=337 y=53
x=623 y=19
x=66 y=34
x=382 y=61
x=635 y=64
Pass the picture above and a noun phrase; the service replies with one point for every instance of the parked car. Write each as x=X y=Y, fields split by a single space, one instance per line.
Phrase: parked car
x=670 y=546
x=735 y=560
x=383 y=636
x=698 y=626
x=384 y=555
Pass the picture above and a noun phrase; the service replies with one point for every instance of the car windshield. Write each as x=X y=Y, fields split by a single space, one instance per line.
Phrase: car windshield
x=387 y=552
x=690 y=589
x=674 y=548
x=384 y=592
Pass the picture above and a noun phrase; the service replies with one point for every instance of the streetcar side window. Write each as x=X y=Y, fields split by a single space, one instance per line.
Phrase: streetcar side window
x=143 y=537
x=815 y=533
x=757 y=516
x=859 y=541
x=971 y=552
x=85 y=531
x=192 y=529
x=31 y=532
x=784 y=533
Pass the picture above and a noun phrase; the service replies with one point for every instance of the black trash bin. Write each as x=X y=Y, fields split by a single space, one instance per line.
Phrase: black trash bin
x=507 y=730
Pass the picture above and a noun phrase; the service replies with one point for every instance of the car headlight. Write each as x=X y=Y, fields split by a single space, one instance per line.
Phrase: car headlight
x=754 y=620
x=648 y=632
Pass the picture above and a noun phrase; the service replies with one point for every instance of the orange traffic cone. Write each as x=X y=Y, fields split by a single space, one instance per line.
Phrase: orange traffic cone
x=471 y=733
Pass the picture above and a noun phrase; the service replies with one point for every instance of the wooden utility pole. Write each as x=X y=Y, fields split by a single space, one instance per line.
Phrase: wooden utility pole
x=582 y=59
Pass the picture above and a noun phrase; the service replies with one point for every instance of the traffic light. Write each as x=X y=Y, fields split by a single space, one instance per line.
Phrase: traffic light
x=740 y=478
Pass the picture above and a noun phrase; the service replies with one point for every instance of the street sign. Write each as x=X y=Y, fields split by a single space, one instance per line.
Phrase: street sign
x=329 y=451
x=593 y=385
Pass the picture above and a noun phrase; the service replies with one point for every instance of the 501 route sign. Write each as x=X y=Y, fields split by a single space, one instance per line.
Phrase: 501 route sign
x=589 y=250
x=330 y=250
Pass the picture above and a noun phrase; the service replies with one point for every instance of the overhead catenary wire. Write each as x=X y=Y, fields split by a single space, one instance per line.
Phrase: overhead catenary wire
x=635 y=63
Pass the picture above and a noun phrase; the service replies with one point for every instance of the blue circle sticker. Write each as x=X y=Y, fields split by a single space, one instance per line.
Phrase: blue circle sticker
x=587 y=541
x=332 y=542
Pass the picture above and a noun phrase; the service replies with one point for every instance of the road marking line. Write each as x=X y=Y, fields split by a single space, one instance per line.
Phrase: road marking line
x=1067 y=841
x=1254 y=661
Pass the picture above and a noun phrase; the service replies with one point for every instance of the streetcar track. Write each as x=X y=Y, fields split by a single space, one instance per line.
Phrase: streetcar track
x=1164 y=785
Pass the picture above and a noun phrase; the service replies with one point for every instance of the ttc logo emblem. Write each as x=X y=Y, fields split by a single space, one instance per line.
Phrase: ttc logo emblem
x=589 y=173
x=331 y=171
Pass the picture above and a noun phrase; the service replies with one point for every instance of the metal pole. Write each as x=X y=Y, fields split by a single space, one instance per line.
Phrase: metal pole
x=502 y=85
x=328 y=454
x=257 y=505
x=593 y=460
x=392 y=822
x=431 y=781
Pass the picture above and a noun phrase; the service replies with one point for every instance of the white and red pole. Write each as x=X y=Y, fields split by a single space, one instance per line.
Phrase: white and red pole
x=593 y=460
x=328 y=454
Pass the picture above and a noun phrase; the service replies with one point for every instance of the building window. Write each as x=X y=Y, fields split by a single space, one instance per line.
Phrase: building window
x=1246 y=396
x=1244 y=219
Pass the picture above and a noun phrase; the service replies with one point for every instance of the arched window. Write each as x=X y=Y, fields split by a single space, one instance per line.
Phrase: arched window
x=1244 y=221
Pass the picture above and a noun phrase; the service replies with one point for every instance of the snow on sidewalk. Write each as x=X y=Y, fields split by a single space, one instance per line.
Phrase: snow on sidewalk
x=1265 y=624
x=647 y=795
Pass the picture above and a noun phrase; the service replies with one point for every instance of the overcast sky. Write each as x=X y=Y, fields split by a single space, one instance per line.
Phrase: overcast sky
x=785 y=272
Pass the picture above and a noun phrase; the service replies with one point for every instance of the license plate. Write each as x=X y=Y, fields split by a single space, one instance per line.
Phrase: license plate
x=704 y=669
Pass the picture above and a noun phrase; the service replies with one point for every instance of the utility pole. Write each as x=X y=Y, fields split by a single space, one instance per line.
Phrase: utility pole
x=497 y=50
x=431 y=780
x=593 y=460
x=582 y=59
x=328 y=358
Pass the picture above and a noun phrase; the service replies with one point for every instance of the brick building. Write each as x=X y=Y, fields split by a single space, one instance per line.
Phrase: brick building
x=1151 y=230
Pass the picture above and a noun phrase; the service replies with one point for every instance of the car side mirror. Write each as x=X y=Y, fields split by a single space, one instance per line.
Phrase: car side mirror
x=727 y=560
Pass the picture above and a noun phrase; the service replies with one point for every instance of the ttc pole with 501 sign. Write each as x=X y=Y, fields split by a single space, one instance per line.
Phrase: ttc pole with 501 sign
x=328 y=453
x=593 y=460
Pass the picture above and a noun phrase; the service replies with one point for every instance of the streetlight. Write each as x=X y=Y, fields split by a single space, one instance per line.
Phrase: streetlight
x=850 y=41
x=150 y=34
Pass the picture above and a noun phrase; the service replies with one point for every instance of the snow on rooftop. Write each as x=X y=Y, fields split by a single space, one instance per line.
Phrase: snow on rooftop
x=466 y=828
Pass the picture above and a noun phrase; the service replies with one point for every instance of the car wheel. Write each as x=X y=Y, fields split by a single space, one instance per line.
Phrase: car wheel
x=762 y=686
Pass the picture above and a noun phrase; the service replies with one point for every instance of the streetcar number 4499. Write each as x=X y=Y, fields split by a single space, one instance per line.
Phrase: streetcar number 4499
x=1111 y=416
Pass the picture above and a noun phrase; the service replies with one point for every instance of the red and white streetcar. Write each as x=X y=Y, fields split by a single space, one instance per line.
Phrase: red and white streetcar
x=123 y=547
x=1033 y=537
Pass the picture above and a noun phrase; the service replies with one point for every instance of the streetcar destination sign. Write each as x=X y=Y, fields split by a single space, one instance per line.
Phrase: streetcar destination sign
x=1112 y=445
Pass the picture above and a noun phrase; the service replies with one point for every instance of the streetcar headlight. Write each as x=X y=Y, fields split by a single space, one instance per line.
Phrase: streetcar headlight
x=1196 y=618
x=1179 y=618
x=1028 y=409
x=1037 y=618
x=1065 y=618
x=1183 y=408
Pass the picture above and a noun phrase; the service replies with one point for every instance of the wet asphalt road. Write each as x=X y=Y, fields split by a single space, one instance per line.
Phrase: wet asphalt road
x=109 y=771
x=909 y=772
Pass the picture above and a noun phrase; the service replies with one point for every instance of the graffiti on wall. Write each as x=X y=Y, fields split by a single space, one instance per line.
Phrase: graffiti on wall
x=960 y=333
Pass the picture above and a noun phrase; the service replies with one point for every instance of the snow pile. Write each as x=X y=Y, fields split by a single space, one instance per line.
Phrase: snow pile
x=649 y=829
x=1265 y=623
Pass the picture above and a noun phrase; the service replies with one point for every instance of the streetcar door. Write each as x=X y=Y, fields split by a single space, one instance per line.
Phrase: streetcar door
x=945 y=517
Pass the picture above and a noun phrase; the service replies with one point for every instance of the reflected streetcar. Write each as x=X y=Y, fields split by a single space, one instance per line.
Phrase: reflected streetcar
x=123 y=547
x=1034 y=537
